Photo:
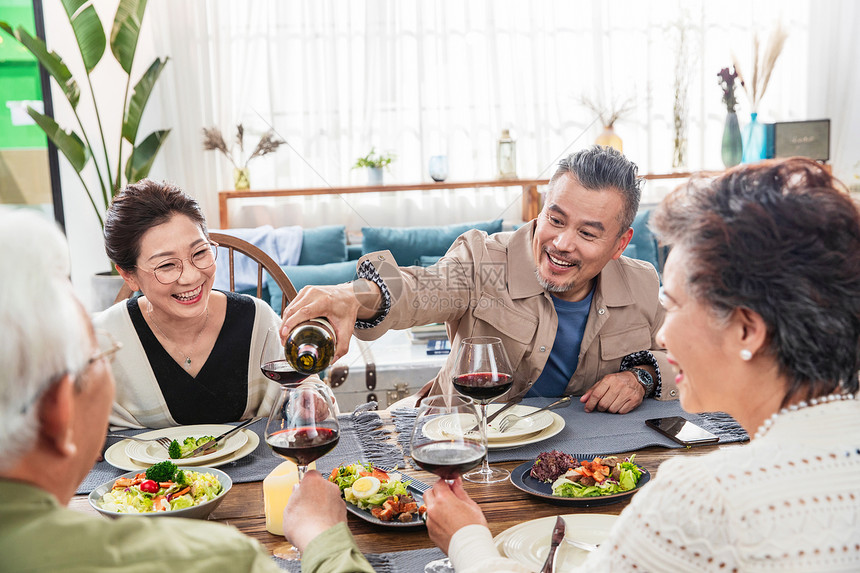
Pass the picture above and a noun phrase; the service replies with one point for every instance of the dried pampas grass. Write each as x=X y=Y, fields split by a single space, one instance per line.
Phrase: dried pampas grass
x=762 y=68
x=214 y=141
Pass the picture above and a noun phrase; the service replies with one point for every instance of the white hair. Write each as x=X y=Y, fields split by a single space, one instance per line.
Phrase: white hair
x=45 y=333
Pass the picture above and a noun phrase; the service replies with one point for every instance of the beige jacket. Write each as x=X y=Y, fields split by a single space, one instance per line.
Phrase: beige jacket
x=486 y=286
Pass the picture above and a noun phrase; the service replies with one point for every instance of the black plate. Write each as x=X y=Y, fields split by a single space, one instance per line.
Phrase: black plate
x=365 y=514
x=522 y=480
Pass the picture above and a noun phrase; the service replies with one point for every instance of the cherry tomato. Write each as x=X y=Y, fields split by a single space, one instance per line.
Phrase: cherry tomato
x=149 y=486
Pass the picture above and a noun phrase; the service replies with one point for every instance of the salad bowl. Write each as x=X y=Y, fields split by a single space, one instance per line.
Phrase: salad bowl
x=200 y=511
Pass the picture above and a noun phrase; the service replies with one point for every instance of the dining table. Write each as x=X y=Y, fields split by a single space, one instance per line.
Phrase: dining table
x=503 y=504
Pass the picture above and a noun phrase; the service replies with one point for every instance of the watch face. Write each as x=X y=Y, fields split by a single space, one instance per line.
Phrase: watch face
x=645 y=379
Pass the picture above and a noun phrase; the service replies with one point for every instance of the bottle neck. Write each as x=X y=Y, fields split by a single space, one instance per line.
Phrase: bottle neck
x=308 y=356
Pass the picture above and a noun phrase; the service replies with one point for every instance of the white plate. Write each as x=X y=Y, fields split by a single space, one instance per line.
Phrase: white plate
x=554 y=428
x=521 y=428
x=115 y=455
x=528 y=542
x=153 y=452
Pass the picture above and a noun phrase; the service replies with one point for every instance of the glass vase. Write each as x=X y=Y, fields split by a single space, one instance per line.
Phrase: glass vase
x=241 y=179
x=610 y=139
x=732 y=150
x=754 y=140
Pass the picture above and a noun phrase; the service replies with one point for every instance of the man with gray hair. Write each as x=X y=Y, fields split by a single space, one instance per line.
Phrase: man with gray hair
x=56 y=390
x=575 y=317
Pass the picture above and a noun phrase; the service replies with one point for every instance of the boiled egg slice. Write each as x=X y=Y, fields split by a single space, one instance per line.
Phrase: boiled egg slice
x=365 y=487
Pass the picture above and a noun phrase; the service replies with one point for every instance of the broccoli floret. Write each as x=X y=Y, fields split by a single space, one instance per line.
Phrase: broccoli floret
x=181 y=479
x=203 y=440
x=175 y=450
x=189 y=441
x=162 y=471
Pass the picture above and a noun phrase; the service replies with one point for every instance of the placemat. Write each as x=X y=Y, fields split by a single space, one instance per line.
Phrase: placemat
x=599 y=433
x=361 y=439
x=397 y=562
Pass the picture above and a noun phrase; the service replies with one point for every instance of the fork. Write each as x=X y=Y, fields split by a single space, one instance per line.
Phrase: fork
x=164 y=441
x=511 y=419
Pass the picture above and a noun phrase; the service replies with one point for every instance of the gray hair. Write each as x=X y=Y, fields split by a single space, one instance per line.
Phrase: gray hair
x=597 y=168
x=45 y=333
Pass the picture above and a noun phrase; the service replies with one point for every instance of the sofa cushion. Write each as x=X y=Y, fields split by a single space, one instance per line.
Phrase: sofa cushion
x=303 y=275
x=643 y=245
x=409 y=244
x=323 y=245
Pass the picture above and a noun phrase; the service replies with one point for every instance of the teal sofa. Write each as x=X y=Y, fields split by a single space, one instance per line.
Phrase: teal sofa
x=327 y=259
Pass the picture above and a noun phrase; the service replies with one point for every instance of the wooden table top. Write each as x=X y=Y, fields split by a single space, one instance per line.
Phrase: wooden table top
x=503 y=504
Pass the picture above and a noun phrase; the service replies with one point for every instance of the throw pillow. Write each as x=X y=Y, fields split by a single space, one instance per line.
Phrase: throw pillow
x=409 y=244
x=323 y=245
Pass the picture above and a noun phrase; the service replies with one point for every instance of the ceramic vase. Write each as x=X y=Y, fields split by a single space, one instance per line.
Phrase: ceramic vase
x=754 y=140
x=610 y=139
x=374 y=176
x=732 y=150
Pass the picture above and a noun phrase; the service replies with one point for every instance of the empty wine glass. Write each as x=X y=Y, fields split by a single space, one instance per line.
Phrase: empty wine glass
x=483 y=372
x=447 y=438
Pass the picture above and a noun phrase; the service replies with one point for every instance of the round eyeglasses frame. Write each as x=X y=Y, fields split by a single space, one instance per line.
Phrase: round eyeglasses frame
x=213 y=247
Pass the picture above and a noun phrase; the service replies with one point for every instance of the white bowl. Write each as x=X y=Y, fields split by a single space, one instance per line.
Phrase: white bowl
x=201 y=511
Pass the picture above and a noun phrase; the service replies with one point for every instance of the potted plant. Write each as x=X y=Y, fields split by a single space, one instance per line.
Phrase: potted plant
x=133 y=161
x=374 y=162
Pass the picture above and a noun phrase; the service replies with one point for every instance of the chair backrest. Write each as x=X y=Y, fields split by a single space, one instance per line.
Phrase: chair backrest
x=264 y=261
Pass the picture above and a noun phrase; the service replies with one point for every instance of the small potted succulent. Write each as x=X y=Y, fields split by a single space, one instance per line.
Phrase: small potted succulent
x=374 y=162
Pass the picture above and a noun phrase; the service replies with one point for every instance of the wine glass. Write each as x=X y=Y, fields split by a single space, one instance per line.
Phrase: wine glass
x=302 y=427
x=274 y=364
x=447 y=438
x=483 y=372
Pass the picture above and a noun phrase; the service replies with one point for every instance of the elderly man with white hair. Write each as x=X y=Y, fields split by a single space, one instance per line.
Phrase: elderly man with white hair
x=56 y=390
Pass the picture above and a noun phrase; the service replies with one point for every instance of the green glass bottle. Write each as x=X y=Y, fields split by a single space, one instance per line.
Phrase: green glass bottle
x=310 y=346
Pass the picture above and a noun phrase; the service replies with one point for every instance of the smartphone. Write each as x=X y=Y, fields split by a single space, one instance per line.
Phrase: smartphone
x=682 y=431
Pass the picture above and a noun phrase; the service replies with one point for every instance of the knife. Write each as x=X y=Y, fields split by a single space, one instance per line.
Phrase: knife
x=557 y=536
x=214 y=442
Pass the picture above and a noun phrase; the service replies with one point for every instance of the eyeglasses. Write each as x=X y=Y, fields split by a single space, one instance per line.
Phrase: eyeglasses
x=169 y=271
x=109 y=347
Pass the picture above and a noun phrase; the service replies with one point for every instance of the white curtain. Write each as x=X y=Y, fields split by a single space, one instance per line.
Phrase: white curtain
x=418 y=78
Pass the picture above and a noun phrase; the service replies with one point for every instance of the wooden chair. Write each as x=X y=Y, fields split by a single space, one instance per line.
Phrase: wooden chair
x=264 y=261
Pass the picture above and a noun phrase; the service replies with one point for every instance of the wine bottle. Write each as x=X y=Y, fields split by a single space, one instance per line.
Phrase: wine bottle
x=310 y=346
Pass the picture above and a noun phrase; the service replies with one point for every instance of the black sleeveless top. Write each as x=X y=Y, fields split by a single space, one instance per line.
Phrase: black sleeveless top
x=219 y=393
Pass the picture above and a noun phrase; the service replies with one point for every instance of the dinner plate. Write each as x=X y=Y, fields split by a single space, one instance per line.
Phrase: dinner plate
x=529 y=542
x=522 y=428
x=153 y=452
x=554 y=428
x=365 y=514
x=522 y=480
x=116 y=456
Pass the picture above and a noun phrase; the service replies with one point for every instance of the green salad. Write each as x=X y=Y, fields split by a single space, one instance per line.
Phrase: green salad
x=142 y=494
x=598 y=477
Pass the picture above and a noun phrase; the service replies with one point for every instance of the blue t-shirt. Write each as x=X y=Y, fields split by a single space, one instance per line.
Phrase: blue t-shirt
x=564 y=357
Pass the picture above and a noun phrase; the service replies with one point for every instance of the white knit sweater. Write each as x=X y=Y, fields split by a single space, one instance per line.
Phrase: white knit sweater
x=788 y=501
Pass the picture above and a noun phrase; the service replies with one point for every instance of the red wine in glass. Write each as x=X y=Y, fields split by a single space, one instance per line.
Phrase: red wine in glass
x=483 y=386
x=448 y=459
x=303 y=445
x=281 y=371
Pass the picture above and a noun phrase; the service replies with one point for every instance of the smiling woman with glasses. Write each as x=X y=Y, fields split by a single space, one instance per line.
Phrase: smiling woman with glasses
x=191 y=353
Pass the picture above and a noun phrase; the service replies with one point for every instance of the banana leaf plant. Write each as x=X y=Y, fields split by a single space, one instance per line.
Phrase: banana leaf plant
x=79 y=149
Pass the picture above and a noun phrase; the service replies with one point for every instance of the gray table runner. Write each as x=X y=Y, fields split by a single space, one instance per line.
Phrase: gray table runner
x=599 y=433
x=361 y=439
x=397 y=562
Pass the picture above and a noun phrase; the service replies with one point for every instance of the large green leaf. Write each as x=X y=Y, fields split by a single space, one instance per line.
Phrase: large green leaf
x=140 y=162
x=126 y=30
x=49 y=60
x=69 y=143
x=88 y=31
x=139 y=97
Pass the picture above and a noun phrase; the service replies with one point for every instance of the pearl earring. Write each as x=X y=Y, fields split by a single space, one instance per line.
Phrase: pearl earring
x=746 y=354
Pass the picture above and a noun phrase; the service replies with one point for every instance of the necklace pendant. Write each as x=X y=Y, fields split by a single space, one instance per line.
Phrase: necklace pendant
x=187 y=361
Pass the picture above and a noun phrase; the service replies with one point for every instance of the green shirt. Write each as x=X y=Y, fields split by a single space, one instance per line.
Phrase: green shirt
x=38 y=534
x=334 y=551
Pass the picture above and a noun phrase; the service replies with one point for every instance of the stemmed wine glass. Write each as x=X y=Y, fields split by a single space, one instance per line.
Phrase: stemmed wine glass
x=447 y=438
x=302 y=426
x=483 y=372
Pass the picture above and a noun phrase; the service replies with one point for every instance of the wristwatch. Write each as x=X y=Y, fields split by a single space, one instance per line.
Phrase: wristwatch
x=645 y=379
